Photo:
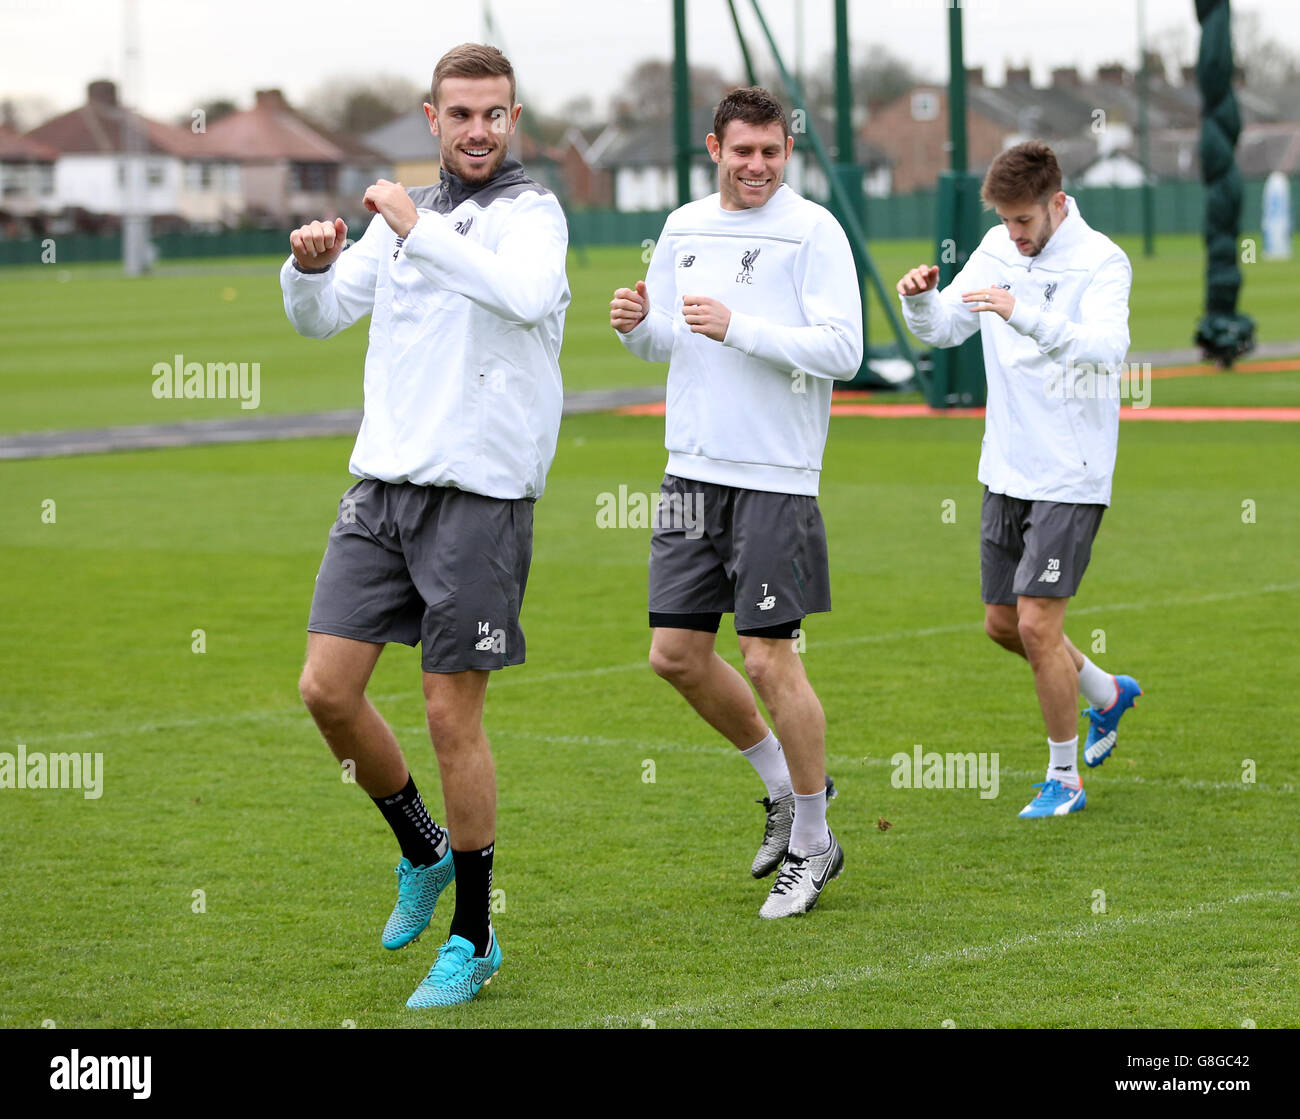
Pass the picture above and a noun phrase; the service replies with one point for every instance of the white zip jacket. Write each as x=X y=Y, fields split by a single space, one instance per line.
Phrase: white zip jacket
x=752 y=411
x=462 y=383
x=1051 y=427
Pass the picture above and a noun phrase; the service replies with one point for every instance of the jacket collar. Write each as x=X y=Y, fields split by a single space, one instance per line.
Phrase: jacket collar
x=1068 y=234
x=458 y=189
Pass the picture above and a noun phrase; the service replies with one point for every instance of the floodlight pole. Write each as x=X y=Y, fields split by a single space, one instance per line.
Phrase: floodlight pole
x=1144 y=139
x=135 y=207
x=681 y=104
x=957 y=378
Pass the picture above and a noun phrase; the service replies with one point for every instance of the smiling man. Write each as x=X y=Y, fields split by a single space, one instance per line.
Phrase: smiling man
x=466 y=288
x=753 y=299
x=1049 y=296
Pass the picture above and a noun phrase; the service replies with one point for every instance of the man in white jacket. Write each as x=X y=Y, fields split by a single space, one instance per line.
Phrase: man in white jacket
x=466 y=288
x=753 y=299
x=1049 y=296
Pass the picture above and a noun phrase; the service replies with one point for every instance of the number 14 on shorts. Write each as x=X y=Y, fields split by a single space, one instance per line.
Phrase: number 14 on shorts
x=489 y=639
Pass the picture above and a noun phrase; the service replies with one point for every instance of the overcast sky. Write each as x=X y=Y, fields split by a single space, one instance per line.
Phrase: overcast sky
x=192 y=51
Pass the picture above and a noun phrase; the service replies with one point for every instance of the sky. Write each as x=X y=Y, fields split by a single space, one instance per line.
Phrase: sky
x=193 y=51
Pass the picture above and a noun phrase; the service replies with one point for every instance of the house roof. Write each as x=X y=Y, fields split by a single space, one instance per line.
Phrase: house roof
x=100 y=125
x=273 y=130
x=17 y=148
x=406 y=138
x=650 y=144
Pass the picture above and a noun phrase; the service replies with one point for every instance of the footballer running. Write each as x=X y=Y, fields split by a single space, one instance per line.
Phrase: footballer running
x=753 y=299
x=465 y=285
x=1049 y=296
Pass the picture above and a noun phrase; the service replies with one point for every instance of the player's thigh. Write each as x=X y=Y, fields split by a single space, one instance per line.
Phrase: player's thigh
x=687 y=575
x=363 y=589
x=469 y=557
x=778 y=561
x=337 y=666
x=1003 y=521
x=1058 y=546
x=675 y=650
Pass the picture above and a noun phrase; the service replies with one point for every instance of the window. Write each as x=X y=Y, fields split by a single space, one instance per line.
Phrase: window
x=315 y=177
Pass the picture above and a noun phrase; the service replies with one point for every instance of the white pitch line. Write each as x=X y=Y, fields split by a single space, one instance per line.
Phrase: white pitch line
x=903 y=634
x=927 y=961
x=518 y=679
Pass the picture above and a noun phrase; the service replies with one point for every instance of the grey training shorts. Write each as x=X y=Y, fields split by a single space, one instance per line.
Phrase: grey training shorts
x=719 y=549
x=1035 y=548
x=428 y=564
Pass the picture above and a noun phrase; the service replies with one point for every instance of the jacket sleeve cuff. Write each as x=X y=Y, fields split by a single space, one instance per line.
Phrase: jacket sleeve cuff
x=419 y=237
x=298 y=268
x=742 y=333
x=1023 y=317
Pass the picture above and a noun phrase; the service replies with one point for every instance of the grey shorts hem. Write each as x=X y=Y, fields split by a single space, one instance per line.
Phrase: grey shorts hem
x=443 y=670
x=353 y=635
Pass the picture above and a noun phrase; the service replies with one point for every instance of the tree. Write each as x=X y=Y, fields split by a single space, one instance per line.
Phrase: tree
x=355 y=105
x=647 y=92
x=878 y=77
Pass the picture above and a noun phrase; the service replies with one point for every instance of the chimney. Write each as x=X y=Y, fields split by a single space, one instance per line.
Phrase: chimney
x=102 y=92
x=1189 y=75
x=1156 y=66
x=1114 y=74
x=1017 y=75
x=1067 y=76
x=270 y=99
x=975 y=75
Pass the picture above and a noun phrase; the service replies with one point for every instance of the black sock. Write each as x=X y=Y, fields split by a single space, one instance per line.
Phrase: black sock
x=473 y=896
x=422 y=841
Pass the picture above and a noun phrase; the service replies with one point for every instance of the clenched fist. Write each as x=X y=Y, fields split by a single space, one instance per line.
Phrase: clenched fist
x=317 y=244
x=628 y=308
x=924 y=278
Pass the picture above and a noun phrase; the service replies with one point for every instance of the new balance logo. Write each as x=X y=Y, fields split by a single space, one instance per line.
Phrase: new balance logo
x=1051 y=573
x=746 y=273
x=494 y=641
x=686 y=261
x=767 y=603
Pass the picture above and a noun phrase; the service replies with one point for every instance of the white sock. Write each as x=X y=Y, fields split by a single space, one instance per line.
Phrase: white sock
x=768 y=759
x=1097 y=687
x=810 y=836
x=1063 y=765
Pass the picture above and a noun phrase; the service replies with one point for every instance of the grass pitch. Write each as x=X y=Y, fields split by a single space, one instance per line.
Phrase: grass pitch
x=1169 y=901
x=81 y=342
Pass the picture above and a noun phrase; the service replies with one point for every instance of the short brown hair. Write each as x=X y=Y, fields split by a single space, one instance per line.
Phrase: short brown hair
x=472 y=60
x=753 y=105
x=1028 y=171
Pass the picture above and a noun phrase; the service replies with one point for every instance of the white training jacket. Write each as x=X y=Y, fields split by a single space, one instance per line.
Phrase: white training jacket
x=752 y=410
x=1052 y=423
x=462 y=383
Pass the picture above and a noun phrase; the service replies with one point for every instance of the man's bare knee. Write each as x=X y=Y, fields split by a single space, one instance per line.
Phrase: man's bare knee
x=1038 y=633
x=327 y=701
x=1006 y=635
x=678 y=662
